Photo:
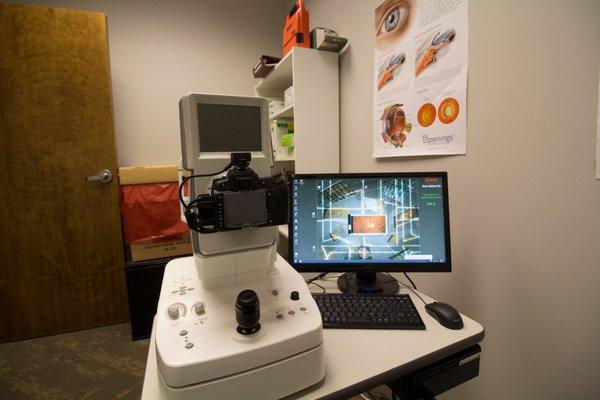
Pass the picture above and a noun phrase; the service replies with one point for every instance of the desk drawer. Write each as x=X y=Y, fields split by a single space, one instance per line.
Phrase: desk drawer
x=439 y=377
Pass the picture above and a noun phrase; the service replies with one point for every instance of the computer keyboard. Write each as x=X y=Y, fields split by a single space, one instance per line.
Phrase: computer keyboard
x=368 y=311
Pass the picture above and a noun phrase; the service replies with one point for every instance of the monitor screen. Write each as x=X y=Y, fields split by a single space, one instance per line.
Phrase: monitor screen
x=384 y=222
x=224 y=127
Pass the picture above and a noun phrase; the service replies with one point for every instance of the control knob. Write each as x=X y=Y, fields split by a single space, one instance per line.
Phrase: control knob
x=247 y=312
x=199 y=308
x=173 y=311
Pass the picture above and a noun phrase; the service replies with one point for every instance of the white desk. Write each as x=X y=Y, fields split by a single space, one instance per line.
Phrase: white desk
x=357 y=360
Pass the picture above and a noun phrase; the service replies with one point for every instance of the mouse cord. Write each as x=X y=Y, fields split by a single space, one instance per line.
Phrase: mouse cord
x=404 y=284
x=410 y=280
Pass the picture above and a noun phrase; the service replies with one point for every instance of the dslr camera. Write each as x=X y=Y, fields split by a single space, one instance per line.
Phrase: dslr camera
x=239 y=200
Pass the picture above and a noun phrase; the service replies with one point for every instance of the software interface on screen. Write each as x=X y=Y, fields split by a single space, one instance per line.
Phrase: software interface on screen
x=376 y=220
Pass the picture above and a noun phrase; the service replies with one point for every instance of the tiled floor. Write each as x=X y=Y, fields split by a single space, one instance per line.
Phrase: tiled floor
x=101 y=363
x=95 y=364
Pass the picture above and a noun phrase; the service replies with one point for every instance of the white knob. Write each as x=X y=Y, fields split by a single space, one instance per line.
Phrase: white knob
x=173 y=311
x=199 y=308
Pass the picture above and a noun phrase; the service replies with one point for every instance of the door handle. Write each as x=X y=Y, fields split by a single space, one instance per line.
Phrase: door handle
x=103 y=176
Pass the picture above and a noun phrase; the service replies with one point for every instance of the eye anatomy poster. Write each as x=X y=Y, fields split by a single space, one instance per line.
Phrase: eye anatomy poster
x=420 y=85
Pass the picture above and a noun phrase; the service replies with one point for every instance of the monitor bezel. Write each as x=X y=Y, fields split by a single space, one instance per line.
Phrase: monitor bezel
x=382 y=267
x=193 y=155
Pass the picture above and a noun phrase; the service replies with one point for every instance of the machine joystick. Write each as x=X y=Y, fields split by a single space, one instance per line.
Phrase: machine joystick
x=247 y=312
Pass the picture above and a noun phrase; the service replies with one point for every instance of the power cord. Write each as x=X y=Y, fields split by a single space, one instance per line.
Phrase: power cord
x=316 y=284
x=312 y=280
x=320 y=276
x=187 y=178
x=330 y=276
x=404 y=284
x=373 y=396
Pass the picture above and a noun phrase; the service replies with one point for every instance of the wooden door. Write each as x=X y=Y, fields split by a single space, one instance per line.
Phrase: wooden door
x=61 y=253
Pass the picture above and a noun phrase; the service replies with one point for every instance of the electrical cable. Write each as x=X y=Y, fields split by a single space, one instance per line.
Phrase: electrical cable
x=410 y=280
x=316 y=284
x=373 y=396
x=313 y=279
x=329 y=276
x=187 y=178
x=320 y=276
x=404 y=284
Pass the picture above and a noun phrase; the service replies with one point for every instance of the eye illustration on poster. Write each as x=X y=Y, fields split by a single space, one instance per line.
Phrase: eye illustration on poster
x=389 y=69
x=420 y=77
x=392 y=19
x=433 y=49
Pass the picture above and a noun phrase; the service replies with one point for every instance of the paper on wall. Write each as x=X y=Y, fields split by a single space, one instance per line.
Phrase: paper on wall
x=420 y=77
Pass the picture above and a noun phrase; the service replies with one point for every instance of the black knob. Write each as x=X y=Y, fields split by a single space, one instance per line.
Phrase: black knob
x=295 y=295
x=247 y=312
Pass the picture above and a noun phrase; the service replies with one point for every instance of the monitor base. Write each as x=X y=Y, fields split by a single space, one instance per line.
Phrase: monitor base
x=367 y=282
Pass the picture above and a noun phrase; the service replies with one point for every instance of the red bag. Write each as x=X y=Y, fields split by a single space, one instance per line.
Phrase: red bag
x=151 y=212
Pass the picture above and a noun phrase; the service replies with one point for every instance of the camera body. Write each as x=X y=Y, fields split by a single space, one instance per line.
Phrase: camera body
x=239 y=200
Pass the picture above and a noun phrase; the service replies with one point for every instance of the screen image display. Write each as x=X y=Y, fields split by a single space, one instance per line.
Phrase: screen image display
x=223 y=127
x=374 y=220
x=245 y=207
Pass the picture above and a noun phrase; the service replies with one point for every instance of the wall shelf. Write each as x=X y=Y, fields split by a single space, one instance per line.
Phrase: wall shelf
x=284 y=159
x=315 y=77
x=286 y=112
x=280 y=78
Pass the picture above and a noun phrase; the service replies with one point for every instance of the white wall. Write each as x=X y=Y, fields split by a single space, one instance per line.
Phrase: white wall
x=162 y=50
x=525 y=208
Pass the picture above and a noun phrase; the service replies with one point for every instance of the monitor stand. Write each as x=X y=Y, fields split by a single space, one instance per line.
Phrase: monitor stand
x=367 y=282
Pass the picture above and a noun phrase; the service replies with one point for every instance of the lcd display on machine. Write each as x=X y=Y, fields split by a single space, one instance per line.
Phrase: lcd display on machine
x=228 y=128
x=245 y=208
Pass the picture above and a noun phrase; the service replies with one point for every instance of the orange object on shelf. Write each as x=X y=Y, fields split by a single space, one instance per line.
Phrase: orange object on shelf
x=295 y=30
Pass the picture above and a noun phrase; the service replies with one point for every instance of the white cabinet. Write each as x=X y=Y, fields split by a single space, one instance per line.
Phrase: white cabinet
x=315 y=77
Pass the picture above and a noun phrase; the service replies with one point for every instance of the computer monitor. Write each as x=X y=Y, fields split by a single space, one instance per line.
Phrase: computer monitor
x=366 y=224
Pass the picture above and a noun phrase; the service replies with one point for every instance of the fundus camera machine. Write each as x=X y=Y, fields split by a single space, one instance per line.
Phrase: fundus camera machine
x=234 y=321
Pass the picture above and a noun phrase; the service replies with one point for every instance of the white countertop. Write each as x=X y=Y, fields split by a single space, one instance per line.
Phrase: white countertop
x=360 y=359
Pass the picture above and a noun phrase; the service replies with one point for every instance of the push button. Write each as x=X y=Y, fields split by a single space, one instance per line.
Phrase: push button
x=199 y=308
x=173 y=311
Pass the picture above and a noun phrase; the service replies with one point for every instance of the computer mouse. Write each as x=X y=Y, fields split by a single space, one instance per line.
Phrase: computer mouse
x=445 y=314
